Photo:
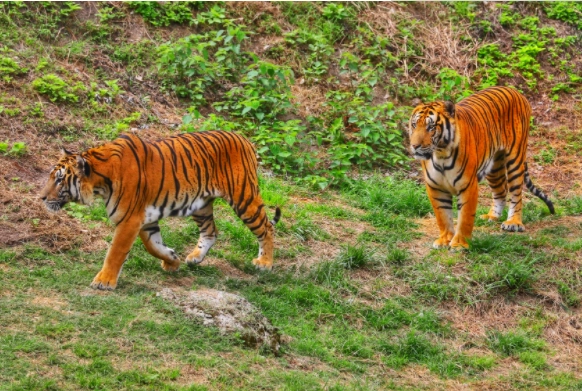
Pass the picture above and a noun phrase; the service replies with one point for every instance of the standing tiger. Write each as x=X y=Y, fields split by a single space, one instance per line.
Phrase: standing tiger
x=143 y=182
x=482 y=136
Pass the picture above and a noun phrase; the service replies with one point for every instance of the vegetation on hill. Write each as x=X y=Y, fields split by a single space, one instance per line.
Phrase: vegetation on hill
x=324 y=90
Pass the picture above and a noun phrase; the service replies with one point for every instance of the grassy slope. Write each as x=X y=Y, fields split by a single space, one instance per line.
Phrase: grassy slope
x=362 y=300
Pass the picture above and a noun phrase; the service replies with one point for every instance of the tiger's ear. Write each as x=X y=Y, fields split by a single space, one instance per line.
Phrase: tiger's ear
x=415 y=102
x=65 y=152
x=450 y=107
x=83 y=167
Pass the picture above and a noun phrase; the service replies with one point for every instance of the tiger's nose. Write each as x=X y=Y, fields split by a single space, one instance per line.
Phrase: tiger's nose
x=415 y=146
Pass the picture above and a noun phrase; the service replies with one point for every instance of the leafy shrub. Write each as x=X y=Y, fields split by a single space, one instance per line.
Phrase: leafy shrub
x=318 y=52
x=164 y=13
x=56 y=88
x=566 y=11
x=494 y=65
x=361 y=134
x=18 y=148
x=507 y=18
x=111 y=131
x=336 y=12
x=546 y=156
x=264 y=92
x=453 y=86
x=9 y=67
x=106 y=94
x=279 y=144
x=199 y=63
x=95 y=212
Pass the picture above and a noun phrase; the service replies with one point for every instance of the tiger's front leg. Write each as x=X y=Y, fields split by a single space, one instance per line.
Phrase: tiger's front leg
x=442 y=204
x=123 y=238
x=467 y=206
x=152 y=239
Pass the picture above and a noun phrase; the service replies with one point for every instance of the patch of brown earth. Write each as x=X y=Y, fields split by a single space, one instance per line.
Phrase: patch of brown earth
x=375 y=287
x=27 y=220
x=341 y=233
x=53 y=302
x=319 y=252
x=309 y=99
x=227 y=269
x=477 y=320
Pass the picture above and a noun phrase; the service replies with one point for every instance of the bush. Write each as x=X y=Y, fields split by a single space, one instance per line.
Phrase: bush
x=9 y=67
x=57 y=89
x=164 y=13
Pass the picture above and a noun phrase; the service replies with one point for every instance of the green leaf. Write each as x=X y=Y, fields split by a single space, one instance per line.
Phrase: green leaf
x=290 y=140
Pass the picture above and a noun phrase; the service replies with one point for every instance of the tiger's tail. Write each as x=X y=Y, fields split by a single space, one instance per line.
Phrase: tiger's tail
x=531 y=187
x=277 y=216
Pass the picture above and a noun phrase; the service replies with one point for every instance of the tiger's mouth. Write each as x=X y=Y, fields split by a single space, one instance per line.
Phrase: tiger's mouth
x=54 y=206
x=423 y=154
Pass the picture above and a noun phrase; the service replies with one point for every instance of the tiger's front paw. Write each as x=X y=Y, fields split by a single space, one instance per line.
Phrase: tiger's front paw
x=489 y=217
x=440 y=243
x=170 y=266
x=104 y=281
x=263 y=263
x=443 y=241
x=459 y=243
x=513 y=225
x=195 y=257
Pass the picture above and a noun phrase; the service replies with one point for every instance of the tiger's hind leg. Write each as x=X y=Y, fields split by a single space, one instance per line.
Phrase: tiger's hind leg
x=515 y=179
x=497 y=180
x=255 y=218
x=152 y=239
x=204 y=218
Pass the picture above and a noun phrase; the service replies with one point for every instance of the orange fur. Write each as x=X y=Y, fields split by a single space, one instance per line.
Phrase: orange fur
x=143 y=182
x=482 y=136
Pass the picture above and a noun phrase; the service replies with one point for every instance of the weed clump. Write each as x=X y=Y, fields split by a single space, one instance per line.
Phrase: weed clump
x=356 y=257
x=56 y=89
x=513 y=343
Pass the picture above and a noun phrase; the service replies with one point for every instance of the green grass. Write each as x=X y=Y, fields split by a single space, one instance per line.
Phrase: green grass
x=354 y=257
x=513 y=343
x=394 y=195
x=132 y=339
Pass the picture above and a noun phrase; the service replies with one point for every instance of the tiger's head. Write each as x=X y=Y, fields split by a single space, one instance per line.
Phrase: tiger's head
x=69 y=180
x=431 y=128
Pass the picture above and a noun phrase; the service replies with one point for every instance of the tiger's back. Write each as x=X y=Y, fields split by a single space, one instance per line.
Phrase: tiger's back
x=498 y=119
x=177 y=175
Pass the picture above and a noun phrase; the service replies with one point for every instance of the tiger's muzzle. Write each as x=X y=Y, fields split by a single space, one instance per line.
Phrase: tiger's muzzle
x=54 y=205
x=422 y=153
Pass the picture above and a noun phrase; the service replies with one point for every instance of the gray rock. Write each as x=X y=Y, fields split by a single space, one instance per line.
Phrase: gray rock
x=229 y=312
